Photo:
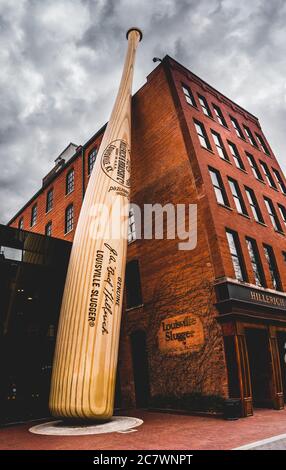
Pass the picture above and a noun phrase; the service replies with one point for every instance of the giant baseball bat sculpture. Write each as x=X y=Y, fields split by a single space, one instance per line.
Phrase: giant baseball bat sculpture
x=85 y=362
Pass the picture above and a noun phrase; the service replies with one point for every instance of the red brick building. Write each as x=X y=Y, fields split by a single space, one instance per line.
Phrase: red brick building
x=206 y=323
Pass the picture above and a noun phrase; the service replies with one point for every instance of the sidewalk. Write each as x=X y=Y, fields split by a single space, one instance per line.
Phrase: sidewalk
x=159 y=431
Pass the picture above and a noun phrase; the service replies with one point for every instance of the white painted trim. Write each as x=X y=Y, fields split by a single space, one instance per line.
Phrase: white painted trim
x=261 y=443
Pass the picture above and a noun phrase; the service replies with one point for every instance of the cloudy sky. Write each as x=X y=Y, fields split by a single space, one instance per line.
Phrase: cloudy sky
x=61 y=60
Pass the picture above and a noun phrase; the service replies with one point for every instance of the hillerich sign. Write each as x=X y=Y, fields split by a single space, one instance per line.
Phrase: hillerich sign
x=181 y=334
x=268 y=299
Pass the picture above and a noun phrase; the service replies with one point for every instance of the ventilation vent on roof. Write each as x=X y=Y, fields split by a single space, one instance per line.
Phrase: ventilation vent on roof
x=67 y=153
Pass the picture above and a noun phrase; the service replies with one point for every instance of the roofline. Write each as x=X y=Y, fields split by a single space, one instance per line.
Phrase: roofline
x=79 y=150
x=167 y=58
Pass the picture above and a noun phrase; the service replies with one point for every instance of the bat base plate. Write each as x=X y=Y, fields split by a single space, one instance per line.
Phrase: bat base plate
x=62 y=428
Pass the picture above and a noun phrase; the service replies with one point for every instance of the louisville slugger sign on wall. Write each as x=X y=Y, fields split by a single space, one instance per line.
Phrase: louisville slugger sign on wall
x=85 y=362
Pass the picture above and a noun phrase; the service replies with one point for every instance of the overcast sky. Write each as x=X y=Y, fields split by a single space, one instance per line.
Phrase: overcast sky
x=61 y=60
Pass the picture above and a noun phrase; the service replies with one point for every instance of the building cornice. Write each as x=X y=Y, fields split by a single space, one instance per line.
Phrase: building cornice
x=217 y=94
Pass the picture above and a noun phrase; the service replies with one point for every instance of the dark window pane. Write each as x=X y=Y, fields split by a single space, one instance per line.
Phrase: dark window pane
x=34 y=215
x=282 y=211
x=273 y=269
x=133 y=284
x=254 y=166
x=236 y=156
x=70 y=181
x=237 y=127
x=279 y=180
x=48 y=229
x=237 y=196
x=255 y=262
x=262 y=144
x=69 y=219
x=236 y=256
x=219 y=145
x=91 y=160
x=50 y=200
x=268 y=175
x=131 y=226
x=219 y=115
x=219 y=188
x=254 y=205
x=205 y=106
x=202 y=135
x=250 y=136
x=272 y=214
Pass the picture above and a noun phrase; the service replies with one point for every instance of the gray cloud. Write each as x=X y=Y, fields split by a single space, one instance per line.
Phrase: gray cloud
x=61 y=61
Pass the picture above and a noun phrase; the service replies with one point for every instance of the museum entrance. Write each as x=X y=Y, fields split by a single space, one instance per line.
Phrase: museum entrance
x=256 y=364
x=140 y=368
x=281 y=337
x=257 y=341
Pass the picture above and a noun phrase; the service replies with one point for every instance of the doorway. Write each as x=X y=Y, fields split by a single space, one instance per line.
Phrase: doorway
x=260 y=366
x=140 y=368
x=281 y=337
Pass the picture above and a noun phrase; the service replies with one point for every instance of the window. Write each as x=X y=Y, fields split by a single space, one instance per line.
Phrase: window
x=235 y=154
x=219 y=115
x=237 y=128
x=218 y=186
x=219 y=145
x=255 y=262
x=202 y=135
x=236 y=255
x=282 y=211
x=70 y=181
x=268 y=175
x=21 y=224
x=254 y=205
x=237 y=196
x=205 y=106
x=34 y=215
x=69 y=218
x=262 y=144
x=272 y=265
x=50 y=200
x=254 y=166
x=272 y=214
x=48 y=229
x=250 y=136
x=279 y=180
x=91 y=160
x=189 y=95
x=133 y=285
x=131 y=226
x=14 y=254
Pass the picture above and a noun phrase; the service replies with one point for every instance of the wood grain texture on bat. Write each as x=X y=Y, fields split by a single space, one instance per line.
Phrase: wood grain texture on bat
x=85 y=361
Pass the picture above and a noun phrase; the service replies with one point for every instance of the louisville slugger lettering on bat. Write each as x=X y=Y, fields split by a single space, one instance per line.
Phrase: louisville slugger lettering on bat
x=85 y=362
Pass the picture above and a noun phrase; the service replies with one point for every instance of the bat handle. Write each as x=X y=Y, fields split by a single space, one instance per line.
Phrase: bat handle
x=135 y=29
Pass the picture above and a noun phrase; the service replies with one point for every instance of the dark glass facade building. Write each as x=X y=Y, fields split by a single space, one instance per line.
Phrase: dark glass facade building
x=32 y=274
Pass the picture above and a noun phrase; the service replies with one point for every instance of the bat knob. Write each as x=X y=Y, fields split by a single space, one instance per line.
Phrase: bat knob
x=135 y=29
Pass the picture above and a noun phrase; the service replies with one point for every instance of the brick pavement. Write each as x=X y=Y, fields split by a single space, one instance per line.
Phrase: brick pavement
x=160 y=431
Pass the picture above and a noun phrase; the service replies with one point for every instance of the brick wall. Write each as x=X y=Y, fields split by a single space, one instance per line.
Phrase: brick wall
x=221 y=217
